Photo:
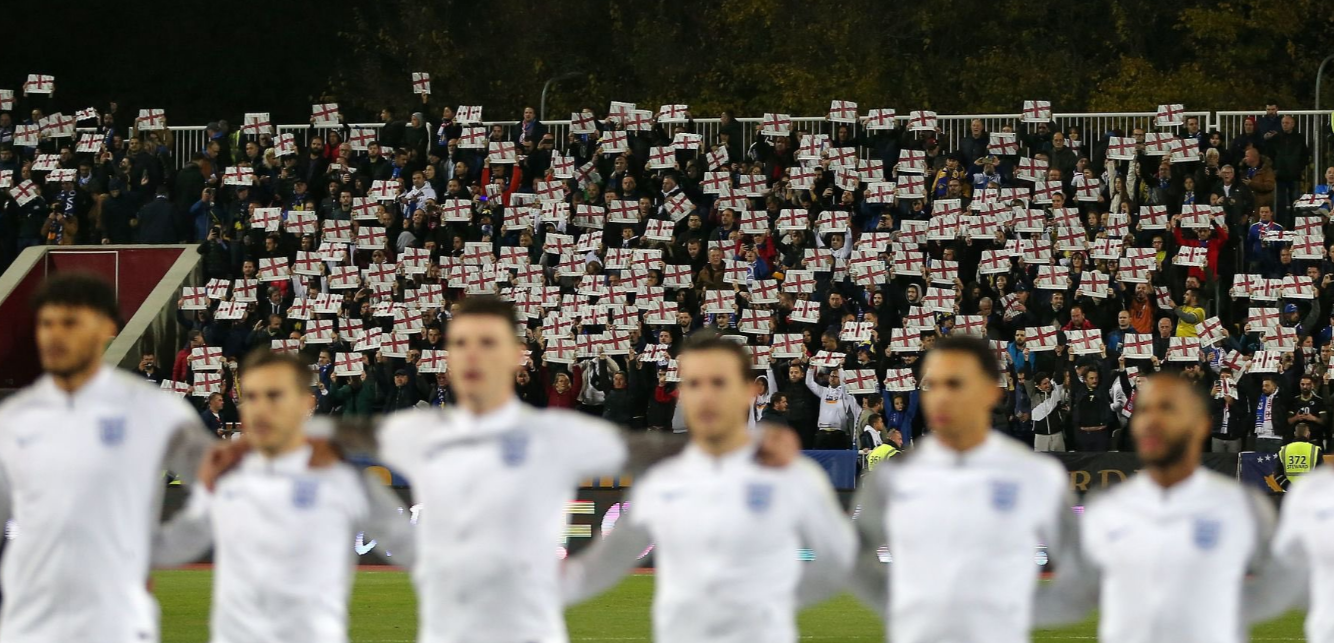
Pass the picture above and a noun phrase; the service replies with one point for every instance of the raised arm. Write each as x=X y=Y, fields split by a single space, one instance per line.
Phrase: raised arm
x=811 y=383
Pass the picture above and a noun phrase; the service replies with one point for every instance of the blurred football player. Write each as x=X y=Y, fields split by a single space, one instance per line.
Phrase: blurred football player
x=82 y=452
x=962 y=515
x=725 y=529
x=282 y=530
x=1177 y=552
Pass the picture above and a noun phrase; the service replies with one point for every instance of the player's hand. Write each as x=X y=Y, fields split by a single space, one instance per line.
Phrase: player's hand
x=223 y=457
x=779 y=446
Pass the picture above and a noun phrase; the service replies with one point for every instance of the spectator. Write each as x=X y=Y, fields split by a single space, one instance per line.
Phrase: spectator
x=1288 y=148
x=212 y=415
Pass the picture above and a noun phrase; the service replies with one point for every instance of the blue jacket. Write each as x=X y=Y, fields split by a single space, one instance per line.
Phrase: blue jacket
x=901 y=420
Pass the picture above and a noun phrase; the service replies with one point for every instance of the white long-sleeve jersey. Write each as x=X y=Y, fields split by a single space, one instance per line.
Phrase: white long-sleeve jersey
x=493 y=491
x=83 y=475
x=1304 y=544
x=963 y=531
x=282 y=535
x=726 y=534
x=1172 y=564
x=838 y=407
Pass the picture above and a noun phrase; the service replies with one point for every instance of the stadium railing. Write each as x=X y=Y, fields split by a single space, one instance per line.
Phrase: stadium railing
x=1313 y=124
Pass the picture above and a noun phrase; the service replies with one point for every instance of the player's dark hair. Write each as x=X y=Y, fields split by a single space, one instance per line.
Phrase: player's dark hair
x=263 y=357
x=979 y=349
x=707 y=339
x=78 y=290
x=486 y=305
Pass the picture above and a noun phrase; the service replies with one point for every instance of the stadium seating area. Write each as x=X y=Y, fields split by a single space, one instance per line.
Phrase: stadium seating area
x=845 y=245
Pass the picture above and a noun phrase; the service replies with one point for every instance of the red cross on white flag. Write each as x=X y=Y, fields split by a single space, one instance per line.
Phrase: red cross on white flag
x=421 y=82
x=238 y=175
x=900 y=380
x=859 y=381
x=842 y=111
x=1042 y=338
x=39 y=84
x=257 y=123
x=1170 y=115
x=193 y=298
x=348 y=365
x=881 y=118
x=921 y=121
x=1037 y=111
x=776 y=124
x=324 y=115
x=1084 y=342
x=1183 y=349
x=151 y=119
x=673 y=113
x=1121 y=148
x=1137 y=346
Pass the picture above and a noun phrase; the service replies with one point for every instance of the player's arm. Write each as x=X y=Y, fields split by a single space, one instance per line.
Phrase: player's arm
x=186 y=449
x=870 y=577
x=602 y=565
x=825 y=530
x=188 y=535
x=1073 y=593
x=386 y=523
x=6 y=499
x=1276 y=583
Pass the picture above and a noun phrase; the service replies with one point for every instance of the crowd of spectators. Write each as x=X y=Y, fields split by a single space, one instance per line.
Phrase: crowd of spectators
x=838 y=259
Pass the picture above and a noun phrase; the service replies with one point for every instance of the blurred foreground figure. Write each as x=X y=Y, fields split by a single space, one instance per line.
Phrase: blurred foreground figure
x=82 y=452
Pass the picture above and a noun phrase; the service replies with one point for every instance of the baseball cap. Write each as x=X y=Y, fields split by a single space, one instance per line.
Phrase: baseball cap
x=1290 y=308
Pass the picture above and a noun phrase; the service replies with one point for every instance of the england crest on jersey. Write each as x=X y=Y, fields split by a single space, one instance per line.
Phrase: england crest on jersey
x=1206 y=533
x=759 y=496
x=111 y=430
x=514 y=448
x=304 y=492
x=1004 y=495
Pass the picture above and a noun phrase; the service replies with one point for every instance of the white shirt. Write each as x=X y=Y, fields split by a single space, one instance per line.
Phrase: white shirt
x=493 y=490
x=726 y=534
x=963 y=531
x=84 y=479
x=1305 y=542
x=282 y=535
x=1171 y=564
x=836 y=404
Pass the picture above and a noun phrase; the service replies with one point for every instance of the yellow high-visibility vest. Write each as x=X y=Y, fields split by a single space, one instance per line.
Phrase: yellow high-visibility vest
x=1298 y=459
x=883 y=452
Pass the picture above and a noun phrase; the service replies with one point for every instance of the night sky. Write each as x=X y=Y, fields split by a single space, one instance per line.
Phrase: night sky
x=199 y=62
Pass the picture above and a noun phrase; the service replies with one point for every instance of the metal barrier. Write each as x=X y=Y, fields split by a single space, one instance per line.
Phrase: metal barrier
x=954 y=128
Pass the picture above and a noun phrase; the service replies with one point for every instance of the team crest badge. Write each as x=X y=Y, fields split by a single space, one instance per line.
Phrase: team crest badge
x=1004 y=495
x=514 y=448
x=759 y=496
x=304 y=493
x=1207 y=533
x=111 y=430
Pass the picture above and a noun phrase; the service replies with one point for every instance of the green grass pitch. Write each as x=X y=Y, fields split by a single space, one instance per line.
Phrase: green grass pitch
x=384 y=611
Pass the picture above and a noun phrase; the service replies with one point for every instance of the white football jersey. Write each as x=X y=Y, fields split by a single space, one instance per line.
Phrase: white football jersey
x=493 y=491
x=83 y=476
x=1304 y=543
x=963 y=531
x=282 y=535
x=726 y=534
x=1172 y=564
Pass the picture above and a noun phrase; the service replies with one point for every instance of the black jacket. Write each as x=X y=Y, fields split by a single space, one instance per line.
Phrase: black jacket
x=157 y=222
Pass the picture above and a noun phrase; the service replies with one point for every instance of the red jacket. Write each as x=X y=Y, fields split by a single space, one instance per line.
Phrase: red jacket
x=570 y=398
x=1212 y=247
x=180 y=370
